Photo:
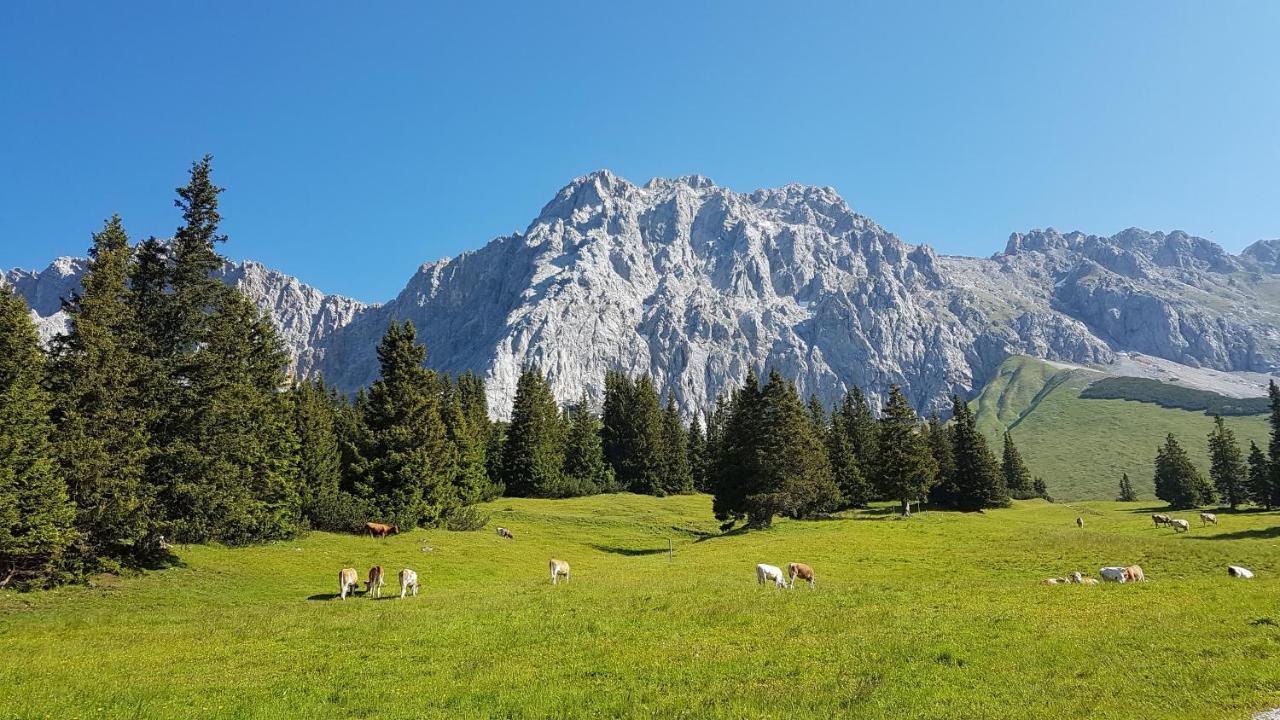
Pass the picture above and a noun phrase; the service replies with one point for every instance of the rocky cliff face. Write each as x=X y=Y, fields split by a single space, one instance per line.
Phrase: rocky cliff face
x=696 y=284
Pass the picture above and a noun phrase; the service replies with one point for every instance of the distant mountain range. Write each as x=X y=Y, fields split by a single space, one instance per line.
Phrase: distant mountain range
x=695 y=284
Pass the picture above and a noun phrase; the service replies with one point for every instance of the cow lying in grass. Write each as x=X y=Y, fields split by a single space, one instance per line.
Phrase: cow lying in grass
x=374 y=585
x=765 y=573
x=408 y=581
x=559 y=569
x=348 y=581
x=1239 y=572
x=802 y=571
x=378 y=530
x=1114 y=574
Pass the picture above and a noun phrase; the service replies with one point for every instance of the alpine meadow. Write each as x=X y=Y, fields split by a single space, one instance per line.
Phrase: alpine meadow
x=294 y=440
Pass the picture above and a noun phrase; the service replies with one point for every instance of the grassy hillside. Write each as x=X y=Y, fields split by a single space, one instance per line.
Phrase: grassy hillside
x=939 y=616
x=1081 y=445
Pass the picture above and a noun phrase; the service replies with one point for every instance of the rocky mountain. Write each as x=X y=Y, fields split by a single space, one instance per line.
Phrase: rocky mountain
x=695 y=284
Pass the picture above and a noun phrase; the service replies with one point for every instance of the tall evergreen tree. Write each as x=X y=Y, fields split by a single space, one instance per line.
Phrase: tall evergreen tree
x=1017 y=477
x=845 y=470
x=1177 y=480
x=1273 y=391
x=36 y=517
x=319 y=455
x=633 y=435
x=1261 y=491
x=467 y=433
x=406 y=435
x=944 y=492
x=98 y=381
x=1126 y=489
x=903 y=466
x=585 y=470
x=677 y=471
x=533 y=457
x=978 y=481
x=735 y=466
x=1227 y=470
x=860 y=424
x=697 y=444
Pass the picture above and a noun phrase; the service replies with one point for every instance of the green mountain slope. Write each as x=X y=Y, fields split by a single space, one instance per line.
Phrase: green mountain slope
x=1080 y=446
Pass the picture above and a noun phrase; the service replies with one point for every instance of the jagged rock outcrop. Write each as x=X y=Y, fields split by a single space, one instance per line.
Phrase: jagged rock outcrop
x=695 y=284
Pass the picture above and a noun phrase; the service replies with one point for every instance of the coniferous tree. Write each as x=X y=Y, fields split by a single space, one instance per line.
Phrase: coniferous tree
x=845 y=471
x=939 y=437
x=1177 y=480
x=467 y=431
x=735 y=466
x=817 y=415
x=1227 y=470
x=633 y=435
x=315 y=419
x=978 y=481
x=226 y=449
x=1126 y=489
x=677 y=470
x=585 y=471
x=533 y=456
x=1260 y=489
x=1273 y=391
x=36 y=517
x=860 y=424
x=99 y=380
x=406 y=436
x=903 y=466
x=1041 y=490
x=697 y=443
x=1017 y=477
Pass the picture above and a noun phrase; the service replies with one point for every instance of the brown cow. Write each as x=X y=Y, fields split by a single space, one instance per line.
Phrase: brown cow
x=1080 y=522
x=802 y=571
x=1133 y=573
x=378 y=530
x=374 y=586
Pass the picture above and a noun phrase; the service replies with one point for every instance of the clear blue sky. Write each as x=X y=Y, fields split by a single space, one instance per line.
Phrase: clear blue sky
x=357 y=142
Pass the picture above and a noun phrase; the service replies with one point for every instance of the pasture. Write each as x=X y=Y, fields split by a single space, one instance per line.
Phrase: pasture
x=937 y=616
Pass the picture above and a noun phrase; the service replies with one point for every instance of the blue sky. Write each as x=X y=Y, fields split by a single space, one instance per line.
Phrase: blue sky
x=358 y=140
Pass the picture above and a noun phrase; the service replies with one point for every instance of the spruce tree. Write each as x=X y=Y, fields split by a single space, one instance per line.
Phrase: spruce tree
x=1017 y=477
x=319 y=454
x=406 y=436
x=1041 y=490
x=735 y=465
x=633 y=435
x=939 y=438
x=697 y=443
x=533 y=456
x=903 y=466
x=978 y=481
x=677 y=470
x=467 y=446
x=860 y=424
x=1273 y=391
x=36 y=517
x=99 y=383
x=1260 y=489
x=1126 y=489
x=585 y=470
x=794 y=474
x=845 y=471
x=1177 y=480
x=1227 y=470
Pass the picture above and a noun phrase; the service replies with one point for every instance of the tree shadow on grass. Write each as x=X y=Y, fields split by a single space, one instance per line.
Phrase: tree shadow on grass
x=629 y=552
x=1270 y=533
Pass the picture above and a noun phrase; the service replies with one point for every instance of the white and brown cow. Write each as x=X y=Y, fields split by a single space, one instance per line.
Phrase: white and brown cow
x=1161 y=519
x=348 y=581
x=505 y=533
x=559 y=569
x=408 y=581
x=374 y=585
x=802 y=571
x=1179 y=525
x=1208 y=518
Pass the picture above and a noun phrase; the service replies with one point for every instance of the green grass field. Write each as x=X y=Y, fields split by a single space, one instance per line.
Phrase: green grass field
x=937 y=616
x=1082 y=446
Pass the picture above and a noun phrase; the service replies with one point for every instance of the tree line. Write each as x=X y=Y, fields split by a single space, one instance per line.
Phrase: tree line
x=1233 y=480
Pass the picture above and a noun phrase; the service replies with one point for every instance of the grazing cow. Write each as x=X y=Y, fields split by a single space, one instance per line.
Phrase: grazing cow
x=1180 y=525
x=348 y=581
x=408 y=581
x=765 y=573
x=802 y=571
x=1133 y=573
x=559 y=569
x=1237 y=571
x=1055 y=581
x=1080 y=522
x=1087 y=581
x=1114 y=574
x=374 y=585
x=1208 y=519
x=1160 y=519
x=505 y=533
x=378 y=530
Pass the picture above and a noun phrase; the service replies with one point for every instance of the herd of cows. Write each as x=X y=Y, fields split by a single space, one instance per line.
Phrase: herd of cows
x=349 y=579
